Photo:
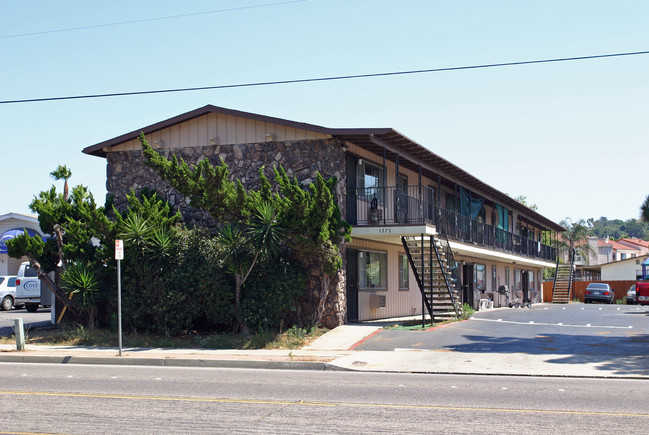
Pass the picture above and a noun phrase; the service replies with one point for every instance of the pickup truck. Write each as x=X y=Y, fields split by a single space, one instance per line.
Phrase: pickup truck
x=642 y=286
x=27 y=291
x=642 y=292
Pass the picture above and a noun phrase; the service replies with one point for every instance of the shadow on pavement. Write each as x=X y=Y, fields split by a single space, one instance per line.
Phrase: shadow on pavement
x=623 y=355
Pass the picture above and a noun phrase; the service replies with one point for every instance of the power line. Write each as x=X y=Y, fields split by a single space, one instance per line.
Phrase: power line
x=144 y=20
x=323 y=79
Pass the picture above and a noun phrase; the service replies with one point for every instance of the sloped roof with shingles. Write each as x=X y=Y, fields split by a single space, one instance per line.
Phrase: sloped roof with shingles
x=375 y=140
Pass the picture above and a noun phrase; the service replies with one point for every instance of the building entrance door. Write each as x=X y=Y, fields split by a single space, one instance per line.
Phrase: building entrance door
x=351 y=284
x=525 y=285
x=467 y=284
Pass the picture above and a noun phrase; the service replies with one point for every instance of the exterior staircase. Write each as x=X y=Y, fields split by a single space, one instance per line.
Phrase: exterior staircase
x=432 y=262
x=563 y=277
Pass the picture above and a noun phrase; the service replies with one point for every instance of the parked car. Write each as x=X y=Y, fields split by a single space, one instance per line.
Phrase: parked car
x=599 y=292
x=630 y=295
x=7 y=292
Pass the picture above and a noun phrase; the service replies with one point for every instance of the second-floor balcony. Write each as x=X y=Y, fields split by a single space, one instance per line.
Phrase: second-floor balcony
x=416 y=205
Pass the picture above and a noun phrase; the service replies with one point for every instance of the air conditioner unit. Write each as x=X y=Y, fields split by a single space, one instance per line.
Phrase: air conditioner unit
x=377 y=301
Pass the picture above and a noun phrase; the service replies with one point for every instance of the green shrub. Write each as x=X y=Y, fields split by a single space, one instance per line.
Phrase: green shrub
x=467 y=311
x=271 y=294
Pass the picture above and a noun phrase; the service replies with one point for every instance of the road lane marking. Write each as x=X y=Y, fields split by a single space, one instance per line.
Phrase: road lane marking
x=588 y=325
x=323 y=404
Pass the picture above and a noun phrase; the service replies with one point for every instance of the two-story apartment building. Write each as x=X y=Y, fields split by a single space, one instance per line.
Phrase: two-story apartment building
x=397 y=194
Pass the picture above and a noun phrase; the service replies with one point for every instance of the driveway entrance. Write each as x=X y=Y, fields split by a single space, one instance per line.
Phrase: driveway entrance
x=613 y=335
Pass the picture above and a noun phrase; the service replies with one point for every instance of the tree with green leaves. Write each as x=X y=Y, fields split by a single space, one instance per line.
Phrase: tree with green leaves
x=72 y=219
x=309 y=214
x=243 y=247
x=644 y=210
x=575 y=239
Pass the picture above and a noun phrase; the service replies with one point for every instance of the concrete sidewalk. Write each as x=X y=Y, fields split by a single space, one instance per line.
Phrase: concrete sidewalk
x=332 y=351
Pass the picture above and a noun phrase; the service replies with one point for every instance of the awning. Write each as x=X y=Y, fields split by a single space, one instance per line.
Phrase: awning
x=8 y=235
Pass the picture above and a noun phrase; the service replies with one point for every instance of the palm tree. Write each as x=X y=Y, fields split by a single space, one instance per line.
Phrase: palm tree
x=575 y=239
x=62 y=173
x=243 y=247
x=644 y=210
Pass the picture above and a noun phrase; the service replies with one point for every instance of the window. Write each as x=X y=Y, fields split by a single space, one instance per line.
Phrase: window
x=530 y=274
x=517 y=280
x=372 y=270
x=429 y=203
x=403 y=272
x=30 y=272
x=370 y=181
x=494 y=277
x=450 y=202
x=507 y=276
x=479 y=277
x=622 y=256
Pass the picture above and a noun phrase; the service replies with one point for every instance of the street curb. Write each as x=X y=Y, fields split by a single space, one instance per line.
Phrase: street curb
x=172 y=362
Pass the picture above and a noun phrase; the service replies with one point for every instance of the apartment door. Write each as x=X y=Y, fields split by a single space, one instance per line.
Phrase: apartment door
x=525 y=285
x=467 y=284
x=351 y=284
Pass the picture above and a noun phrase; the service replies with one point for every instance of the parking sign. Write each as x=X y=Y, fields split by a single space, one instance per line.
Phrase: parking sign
x=119 y=249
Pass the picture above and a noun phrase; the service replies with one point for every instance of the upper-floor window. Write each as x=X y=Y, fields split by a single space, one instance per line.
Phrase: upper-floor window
x=370 y=181
x=450 y=202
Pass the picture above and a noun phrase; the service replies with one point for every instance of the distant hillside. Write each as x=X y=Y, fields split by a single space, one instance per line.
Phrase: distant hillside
x=617 y=228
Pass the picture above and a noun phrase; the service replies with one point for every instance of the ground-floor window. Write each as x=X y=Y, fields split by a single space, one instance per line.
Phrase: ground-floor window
x=372 y=270
x=494 y=278
x=480 y=277
x=403 y=272
x=531 y=280
x=507 y=276
x=517 y=280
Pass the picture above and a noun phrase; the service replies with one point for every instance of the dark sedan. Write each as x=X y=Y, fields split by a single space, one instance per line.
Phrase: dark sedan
x=599 y=292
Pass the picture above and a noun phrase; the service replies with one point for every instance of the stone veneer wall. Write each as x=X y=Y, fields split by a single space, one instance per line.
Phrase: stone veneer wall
x=302 y=159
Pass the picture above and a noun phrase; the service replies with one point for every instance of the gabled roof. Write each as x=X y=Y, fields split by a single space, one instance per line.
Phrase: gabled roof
x=20 y=216
x=376 y=140
x=617 y=245
x=634 y=242
x=615 y=263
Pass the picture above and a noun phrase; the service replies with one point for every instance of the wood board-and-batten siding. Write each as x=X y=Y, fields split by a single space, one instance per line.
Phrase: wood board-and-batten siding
x=398 y=302
x=219 y=129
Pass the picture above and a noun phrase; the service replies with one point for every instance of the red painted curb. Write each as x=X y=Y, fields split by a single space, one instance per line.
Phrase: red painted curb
x=365 y=339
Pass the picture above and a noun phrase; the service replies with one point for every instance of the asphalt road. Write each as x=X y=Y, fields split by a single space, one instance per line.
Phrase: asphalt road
x=611 y=335
x=111 y=399
x=39 y=319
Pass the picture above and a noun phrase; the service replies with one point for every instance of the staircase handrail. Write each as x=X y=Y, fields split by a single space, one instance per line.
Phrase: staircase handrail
x=443 y=237
x=572 y=268
x=449 y=260
x=556 y=273
x=420 y=283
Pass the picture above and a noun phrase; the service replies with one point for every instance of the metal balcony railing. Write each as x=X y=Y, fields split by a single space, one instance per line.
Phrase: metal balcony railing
x=415 y=205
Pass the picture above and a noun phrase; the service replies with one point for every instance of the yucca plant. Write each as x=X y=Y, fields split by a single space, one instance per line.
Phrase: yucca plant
x=81 y=284
x=243 y=247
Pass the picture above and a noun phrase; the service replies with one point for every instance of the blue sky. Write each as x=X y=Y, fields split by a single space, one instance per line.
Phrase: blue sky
x=571 y=137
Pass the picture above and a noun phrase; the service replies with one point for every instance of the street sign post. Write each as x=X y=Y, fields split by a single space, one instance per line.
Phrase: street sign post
x=119 y=256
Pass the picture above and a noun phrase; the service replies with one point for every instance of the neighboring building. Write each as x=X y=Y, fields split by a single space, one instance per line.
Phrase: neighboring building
x=623 y=270
x=12 y=224
x=610 y=250
x=388 y=187
x=641 y=245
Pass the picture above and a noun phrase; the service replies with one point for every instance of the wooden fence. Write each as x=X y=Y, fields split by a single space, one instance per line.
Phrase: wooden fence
x=578 y=288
